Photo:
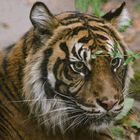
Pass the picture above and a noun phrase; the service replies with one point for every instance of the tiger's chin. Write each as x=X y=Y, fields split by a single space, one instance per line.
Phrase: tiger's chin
x=101 y=124
x=64 y=123
x=98 y=124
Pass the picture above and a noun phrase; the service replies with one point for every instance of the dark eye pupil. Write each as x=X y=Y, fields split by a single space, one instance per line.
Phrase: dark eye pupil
x=79 y=65
x=115 y=62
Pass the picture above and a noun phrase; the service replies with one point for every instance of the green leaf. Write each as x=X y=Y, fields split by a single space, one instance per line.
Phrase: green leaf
x=129 y=52
x=128 y=104
x=114 y=53
x=111 y=53
x=134 y=123
x=128 y=60
x=118 y=54
x=118 y=132
x=93 y=56
x=136 y=56
x=98 y=52
x=81 y=5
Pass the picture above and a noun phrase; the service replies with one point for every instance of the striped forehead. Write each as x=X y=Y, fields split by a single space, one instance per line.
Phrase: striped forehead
x=80 y=53
x=86 y=32
x=85 y=44
x=67 y=18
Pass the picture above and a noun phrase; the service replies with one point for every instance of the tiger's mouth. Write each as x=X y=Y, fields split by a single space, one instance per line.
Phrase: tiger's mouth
x=96 y=119
x=92 y=121
x=79 y=115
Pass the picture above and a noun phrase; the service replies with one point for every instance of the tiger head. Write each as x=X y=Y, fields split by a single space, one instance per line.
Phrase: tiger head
x=69 y=83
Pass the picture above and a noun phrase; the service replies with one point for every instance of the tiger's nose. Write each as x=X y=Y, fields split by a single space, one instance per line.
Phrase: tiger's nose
x=107 y=104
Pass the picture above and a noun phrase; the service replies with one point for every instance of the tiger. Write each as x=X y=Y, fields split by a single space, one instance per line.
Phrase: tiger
x=54 y=86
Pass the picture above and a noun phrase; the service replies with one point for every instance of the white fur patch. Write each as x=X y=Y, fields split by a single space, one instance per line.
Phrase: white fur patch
x=110 y=45
x=50 y=112
x=40 y=16
x=51 y=79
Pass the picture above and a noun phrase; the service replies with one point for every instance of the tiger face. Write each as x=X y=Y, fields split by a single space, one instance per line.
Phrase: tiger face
x=70 y=88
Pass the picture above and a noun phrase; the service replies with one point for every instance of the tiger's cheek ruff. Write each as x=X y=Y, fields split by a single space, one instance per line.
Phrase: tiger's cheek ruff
x=47 y=110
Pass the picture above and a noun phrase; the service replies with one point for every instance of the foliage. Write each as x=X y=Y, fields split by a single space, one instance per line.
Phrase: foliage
x=137 y=7
x=134 y=123
x=126 y=119
x=84 y=5
x=115 y=53
x=131 y=56
x=118 y=132
x=125 y=25
x=97 y=53
x=134 y=89
x=128 y=104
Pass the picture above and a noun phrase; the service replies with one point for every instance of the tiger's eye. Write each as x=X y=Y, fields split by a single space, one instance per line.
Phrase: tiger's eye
x=116 y=62
x=79 y=65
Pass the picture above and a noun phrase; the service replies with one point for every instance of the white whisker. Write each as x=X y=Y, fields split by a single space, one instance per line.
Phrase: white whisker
x=56 y=110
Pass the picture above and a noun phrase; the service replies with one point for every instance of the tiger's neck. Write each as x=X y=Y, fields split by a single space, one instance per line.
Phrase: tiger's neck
x=13 y=62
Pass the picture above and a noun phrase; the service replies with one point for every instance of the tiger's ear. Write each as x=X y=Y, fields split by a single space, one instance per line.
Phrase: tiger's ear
x=118 y=17
x=42 y=18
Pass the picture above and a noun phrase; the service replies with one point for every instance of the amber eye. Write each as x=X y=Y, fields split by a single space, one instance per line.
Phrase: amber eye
x=78 y=66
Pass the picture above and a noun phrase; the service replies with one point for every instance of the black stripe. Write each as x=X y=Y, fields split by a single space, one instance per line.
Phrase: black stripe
x=74 y=52
x=8 y=123
x=70 y=22
x=95 y=28
x=8 y=96
x=66 y=71
x=73 y=16
x=84 y=39
x=5 y=110
x=4 y=131
x=44 y=71
x=24 y=48
x=64 y=47
x=4 y=125
x=76 y=30
x=20 y=76
x=56 y=67
x=59 y=82
x=101 y=37
x=96 y=19
x=78 y=15
x=79 y=52
x=44 y=65
x=85 y=56
x=5 y=64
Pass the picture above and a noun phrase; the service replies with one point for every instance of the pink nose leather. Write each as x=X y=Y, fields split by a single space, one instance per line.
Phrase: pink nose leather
x=107 y=104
